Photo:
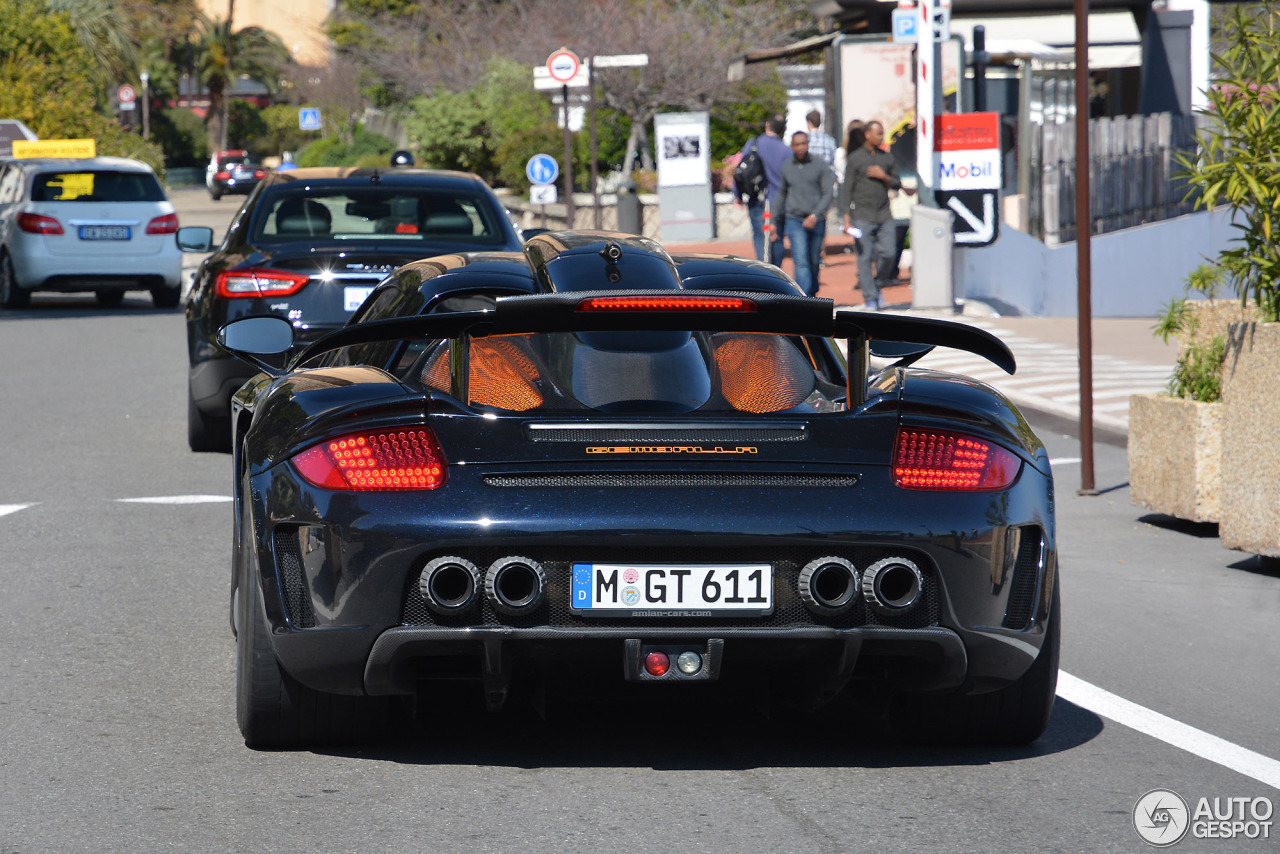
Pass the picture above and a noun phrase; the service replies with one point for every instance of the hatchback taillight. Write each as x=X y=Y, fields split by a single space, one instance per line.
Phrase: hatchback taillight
x=37 y=224
x=258 y=282
x=221 y=175
x=259 y=174
x=377 y=460
x=941 y=460
x=167 y=224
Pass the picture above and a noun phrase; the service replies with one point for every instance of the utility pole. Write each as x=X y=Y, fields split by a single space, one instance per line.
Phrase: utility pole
x=1084 y=233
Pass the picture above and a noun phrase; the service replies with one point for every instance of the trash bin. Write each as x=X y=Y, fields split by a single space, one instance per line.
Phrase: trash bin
x=630 y=214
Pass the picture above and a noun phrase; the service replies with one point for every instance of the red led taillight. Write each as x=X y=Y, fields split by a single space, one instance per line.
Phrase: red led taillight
x=940 y=460
x=37 y=224
x=657 y=663
x=379 y=460
x=167 y=224
x=259 y=174
x=258 y=282
x=664 y=303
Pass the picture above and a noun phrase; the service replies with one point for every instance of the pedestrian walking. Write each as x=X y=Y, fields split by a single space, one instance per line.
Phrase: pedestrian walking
x=870 y=173
x=853 y=138
x=771 y=153
x=804 y=197
x=821 y=145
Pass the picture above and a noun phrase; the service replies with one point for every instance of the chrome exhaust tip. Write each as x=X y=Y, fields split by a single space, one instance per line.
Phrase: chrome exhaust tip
x=449 y=584
x=828 y=585
x=893 y=586
x=515 y=585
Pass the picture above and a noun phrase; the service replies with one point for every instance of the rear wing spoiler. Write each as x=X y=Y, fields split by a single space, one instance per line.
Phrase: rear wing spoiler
x=673 y=310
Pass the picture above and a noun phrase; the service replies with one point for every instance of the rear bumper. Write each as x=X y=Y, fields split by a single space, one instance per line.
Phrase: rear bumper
x=88 y=272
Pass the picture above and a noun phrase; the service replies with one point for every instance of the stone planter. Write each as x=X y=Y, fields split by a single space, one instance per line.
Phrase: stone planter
x=1175 y=456
x=1251 y=440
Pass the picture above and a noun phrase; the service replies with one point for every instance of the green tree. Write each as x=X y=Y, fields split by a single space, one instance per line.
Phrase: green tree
x=1236 y=165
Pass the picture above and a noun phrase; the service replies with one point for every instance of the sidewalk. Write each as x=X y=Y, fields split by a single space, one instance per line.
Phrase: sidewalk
x=1127 y=358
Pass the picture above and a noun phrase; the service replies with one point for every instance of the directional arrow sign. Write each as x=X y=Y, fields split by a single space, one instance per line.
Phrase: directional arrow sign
x=976 y=223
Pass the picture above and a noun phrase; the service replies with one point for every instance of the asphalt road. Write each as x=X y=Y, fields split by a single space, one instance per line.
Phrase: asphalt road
x=117 y=719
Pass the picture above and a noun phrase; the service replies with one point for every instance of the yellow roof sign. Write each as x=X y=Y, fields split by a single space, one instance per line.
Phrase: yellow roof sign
x=54 y=148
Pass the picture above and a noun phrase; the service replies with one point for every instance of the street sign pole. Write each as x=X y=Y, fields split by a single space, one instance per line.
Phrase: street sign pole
x=928 y=100
x=570 y=214
x=1084 y=232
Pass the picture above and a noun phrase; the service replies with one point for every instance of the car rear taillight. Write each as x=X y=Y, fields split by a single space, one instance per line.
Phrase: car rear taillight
x=665 y=303
x=167 y=224
x=37 y=224
x=221 y=175
x=259 y=174
x=380 y=460
x=258 y=282
x=941 y=460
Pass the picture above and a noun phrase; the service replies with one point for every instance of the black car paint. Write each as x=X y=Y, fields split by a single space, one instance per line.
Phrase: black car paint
x=213 y=374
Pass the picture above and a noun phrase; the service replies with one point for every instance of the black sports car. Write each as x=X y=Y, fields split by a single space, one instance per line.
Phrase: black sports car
x=309 y=245
x=594 y=458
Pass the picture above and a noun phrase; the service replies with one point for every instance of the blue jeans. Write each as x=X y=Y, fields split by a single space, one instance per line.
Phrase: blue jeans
x=806 y=251
x=775 y=250
x=878 y=245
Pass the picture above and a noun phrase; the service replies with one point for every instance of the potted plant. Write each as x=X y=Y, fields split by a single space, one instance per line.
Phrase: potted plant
x=1236 y=167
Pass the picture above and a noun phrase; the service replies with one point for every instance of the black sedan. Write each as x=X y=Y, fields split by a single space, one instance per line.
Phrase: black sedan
x=309 y=245
x=512 y=469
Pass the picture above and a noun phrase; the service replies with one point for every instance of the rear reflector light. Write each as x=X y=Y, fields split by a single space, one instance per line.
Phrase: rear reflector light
x=258 y=282
x=657 y=663
x=384 y=460
x=167 y=224
x=662 y=303
x=37 y=224
x=939 y=460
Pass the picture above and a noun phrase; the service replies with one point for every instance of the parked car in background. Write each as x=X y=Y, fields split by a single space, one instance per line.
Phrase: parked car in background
x=592 y=463
x=100 y=224
x=308 y=246
x=232 y=171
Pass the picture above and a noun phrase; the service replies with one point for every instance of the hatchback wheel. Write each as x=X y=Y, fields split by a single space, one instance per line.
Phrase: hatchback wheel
x=11 y=296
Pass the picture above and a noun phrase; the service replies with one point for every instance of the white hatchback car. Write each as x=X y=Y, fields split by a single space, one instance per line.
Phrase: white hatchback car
x=100 y=224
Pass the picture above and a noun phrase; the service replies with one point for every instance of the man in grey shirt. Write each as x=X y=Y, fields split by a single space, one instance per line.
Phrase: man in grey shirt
x=804 y=197
x=870 y=174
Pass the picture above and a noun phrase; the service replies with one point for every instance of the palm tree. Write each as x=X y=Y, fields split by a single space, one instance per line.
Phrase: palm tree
x=217 y=52
x=107 y=35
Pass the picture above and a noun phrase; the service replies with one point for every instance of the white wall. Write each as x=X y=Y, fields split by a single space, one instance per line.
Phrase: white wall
x=1135 y=272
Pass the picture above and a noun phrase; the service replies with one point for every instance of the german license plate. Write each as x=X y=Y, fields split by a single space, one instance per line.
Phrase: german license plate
x=105 y=232
x=352 y=297
x=672 y=590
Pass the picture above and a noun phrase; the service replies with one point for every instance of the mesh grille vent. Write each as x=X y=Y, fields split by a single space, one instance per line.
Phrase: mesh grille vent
x=1022 y=594
x=674 y=479
x=292 y=587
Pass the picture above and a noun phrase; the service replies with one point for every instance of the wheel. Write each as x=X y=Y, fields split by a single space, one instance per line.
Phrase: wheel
x=215 y=194
x=1015 y=714
x=274 y=710
x=166 y=297
x=11 y=295
x=109 y=298
x=207 y=432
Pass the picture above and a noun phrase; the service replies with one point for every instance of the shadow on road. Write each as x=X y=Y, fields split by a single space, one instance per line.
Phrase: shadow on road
x=63 y=306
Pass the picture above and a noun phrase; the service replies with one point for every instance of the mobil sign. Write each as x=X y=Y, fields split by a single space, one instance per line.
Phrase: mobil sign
x=968 y=147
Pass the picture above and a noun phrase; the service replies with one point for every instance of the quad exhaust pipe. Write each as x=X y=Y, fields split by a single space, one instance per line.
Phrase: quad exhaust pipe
x=515 y=585
x=828 y=585
x=893 y=586
x=450 y=584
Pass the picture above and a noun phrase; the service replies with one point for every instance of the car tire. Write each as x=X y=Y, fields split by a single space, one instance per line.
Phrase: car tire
x=274 y=710
x=207 y=432
x=109 y=298
x=166 y=297
x=11 y=295
x=1015 y=714
x=216 y=195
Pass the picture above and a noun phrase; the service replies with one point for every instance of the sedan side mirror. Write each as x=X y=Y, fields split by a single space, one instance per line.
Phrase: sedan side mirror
x=195 y=238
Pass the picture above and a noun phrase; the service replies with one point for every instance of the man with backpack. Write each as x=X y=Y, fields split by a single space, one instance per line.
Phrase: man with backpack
x=756 y=180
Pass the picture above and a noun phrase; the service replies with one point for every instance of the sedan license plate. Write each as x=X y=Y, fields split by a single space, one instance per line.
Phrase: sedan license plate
x=352 y=297
x=672 y=590
x=105 y=232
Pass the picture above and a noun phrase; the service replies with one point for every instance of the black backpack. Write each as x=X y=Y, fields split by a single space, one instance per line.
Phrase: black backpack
x=748 y=175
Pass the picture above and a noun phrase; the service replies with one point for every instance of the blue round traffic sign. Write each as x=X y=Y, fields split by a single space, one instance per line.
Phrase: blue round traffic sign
x=542 y=169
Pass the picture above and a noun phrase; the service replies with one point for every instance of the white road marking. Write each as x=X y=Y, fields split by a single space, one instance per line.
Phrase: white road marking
x=1064 y=461
x=178 y=499
x=1264 y=769
x=6 y=509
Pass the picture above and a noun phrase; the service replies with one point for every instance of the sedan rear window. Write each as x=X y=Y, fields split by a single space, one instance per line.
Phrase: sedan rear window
x=96 y=186
x=393 y=213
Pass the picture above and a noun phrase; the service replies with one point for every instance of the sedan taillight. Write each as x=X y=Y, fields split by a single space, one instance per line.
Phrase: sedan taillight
x=259 y=174
x=258 y=282
x=37 y=224
x=379 y=460
x=944 y=461
x=167 y=224
x=222 y=175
